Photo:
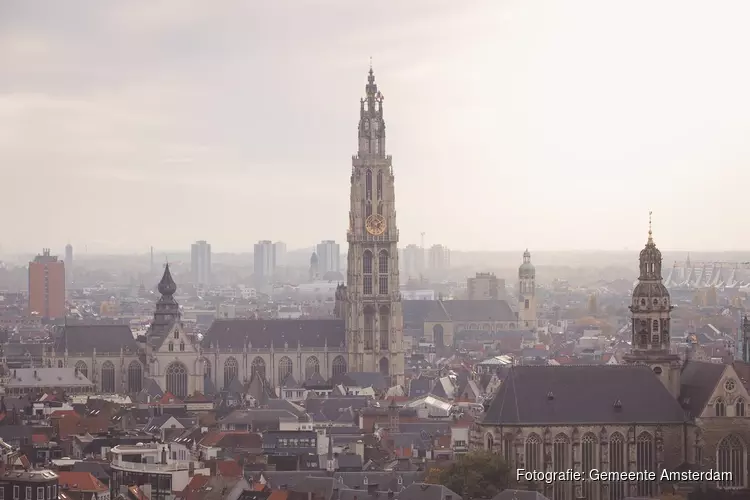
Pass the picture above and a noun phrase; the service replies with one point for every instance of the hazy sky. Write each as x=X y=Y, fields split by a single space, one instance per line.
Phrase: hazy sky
x=512 y=124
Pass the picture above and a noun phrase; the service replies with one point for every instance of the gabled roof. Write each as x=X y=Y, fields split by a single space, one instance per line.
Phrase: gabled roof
x=262 y=333
x=83 y=339
x=590 y=394
x=80 y=481
x=698 y=381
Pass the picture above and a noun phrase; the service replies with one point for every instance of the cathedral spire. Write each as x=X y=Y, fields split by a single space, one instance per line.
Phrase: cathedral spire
x=371 y=124
x=650 y=233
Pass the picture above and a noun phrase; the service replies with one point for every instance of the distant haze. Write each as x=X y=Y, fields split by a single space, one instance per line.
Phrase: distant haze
x=550 y=125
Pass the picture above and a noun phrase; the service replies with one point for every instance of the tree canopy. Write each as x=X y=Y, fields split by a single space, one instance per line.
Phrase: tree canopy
x=479 y=474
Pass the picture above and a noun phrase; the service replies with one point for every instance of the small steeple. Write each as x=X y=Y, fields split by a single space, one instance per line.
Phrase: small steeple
x=167 y=286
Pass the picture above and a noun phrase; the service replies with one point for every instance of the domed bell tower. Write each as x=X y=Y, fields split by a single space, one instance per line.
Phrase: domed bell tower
x=650 y=308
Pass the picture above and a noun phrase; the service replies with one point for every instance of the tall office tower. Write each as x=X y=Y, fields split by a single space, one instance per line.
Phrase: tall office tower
x=263 y=259
x=329 y=254
x=413 y=261
x=440 y=258
x=47 y=286
x=69 y=264
x=279 y=255
x=200 y=262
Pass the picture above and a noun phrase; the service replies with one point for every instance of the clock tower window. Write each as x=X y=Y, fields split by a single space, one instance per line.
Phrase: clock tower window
x=369 y=327
x=383 y=272
x=368 y=185
x=380 y=185
x=384 y=328
x=367 y=271
x=655 y=326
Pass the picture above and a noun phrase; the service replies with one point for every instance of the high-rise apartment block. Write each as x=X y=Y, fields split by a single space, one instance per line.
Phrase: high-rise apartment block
x=200 y=262
x=329 y=254
x=263 y=259
x=279 y=255
x=440 y=258
x=47 y=286
x=413 y=261
x=68 y=264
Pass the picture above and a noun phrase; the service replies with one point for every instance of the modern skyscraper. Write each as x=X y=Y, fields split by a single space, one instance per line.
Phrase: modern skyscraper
x=68 y=264
x=329 y=254
x=372 y=310
x=263 y=259
x=279 y=255
x=47 y=286
x=440 y=258
x=485 y=286
x=200 y=262
x=413 y=265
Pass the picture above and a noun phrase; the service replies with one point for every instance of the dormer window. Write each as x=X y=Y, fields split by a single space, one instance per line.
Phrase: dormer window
x=171 y=347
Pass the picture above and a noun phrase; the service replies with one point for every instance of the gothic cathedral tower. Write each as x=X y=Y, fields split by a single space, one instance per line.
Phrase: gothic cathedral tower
x=650 y=309
x=527 y=293
x=374 y=321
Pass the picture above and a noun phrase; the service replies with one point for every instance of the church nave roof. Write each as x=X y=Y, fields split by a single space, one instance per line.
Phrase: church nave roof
x=262 y=333
x=585 y=394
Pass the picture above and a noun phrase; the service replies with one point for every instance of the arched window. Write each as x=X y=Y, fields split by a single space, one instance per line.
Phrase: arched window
x=489 y=441
x=182 y=346
x=730 y=457
x=533 y=452
x=655 y=326
x=108 y=377
x=383 y=365
x=285 y=369
x=739 y=408
x=171 y=347
x=644 y=461
x=82 y=368
x=369 y=327
x=588 y=462
x=176 y=334
x=385 y=327
x=338 y=367
x=312 y=366
x=206 y=369
x=438 y=336
x=135 y=377
x=231 y=368
x=259 y=366
x=383 y=272
x=509 y=450
x=367 y=270
x=380 y=185
x=617 y=463
x=368 y=185
x=561 y=462
x=177 y=379
x=720 y=408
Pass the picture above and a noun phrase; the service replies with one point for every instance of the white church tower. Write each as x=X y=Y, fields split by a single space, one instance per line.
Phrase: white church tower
x=527 y=293
x=373 y=315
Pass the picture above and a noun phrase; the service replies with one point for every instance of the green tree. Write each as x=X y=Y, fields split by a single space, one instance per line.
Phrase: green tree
x=479 y=474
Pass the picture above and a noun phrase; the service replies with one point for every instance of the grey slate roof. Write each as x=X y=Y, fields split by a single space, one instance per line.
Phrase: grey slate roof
x=697 y=382
x=47 y=377
x=261 y=333
x=362 y=379
x=533 y=395
x=419 y=387
x=423 y=491
x=84 y=339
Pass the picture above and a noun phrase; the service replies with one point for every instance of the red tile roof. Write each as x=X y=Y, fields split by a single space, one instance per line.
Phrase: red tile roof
x=80 y=481
x=228 y=468
x=168 y=399
x=39 y=439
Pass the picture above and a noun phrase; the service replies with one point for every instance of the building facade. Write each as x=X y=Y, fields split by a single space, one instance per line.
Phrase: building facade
x=47 y=286
x=329 y=255
x=413 y=261
x=439 y=258
x=200 y=262
x=485 y=286
x=263 y=261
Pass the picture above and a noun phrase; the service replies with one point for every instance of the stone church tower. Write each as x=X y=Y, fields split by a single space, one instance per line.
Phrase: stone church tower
x=527 y=293
x=650 y=309
x=373 y=315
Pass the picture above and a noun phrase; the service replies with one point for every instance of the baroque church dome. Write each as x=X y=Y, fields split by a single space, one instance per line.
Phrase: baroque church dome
x=167 y=286
x=526 y=270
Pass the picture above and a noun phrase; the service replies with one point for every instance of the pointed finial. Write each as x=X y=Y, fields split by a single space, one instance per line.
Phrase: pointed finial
x=650 y=234
x=370 y=64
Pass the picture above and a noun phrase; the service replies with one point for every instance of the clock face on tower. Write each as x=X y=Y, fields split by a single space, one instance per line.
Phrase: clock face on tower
x=375 y=224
